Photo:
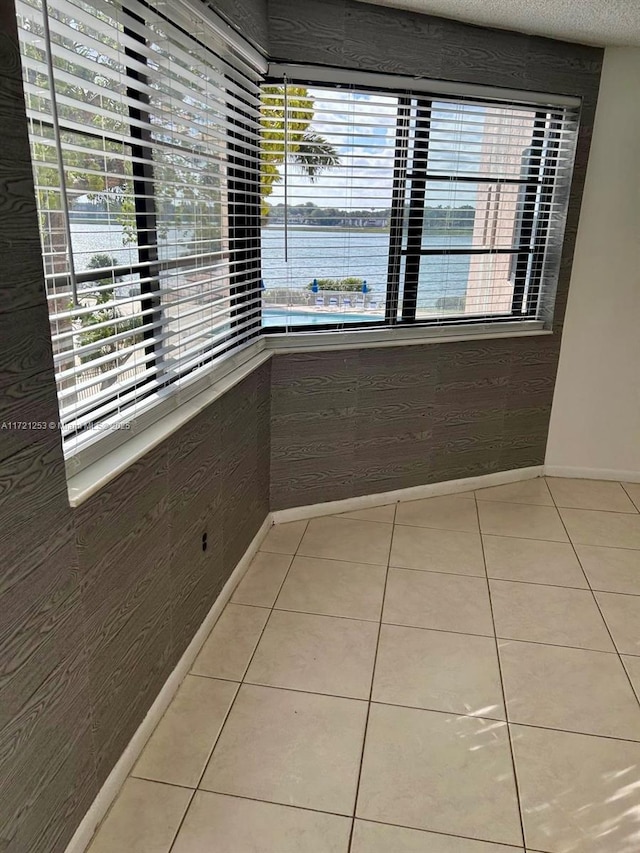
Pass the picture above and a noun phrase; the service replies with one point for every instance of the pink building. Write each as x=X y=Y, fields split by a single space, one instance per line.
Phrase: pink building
x=506 y=134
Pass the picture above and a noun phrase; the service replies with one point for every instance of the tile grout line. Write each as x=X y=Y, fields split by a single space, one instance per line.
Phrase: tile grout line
x=448 y=713
x=628 y=494
x=373 y=674
x=233 y=702
x=346 y=817
x=634 y=511
x=635 y=693
x=453 y=574
x=565 y=541
x=429 y=628
x=331 y=559
x=502 y=687
x=442 y=834
x=271 y=609
x=497 y=535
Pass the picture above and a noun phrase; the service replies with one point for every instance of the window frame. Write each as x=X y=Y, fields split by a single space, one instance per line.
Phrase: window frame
x=426 y=94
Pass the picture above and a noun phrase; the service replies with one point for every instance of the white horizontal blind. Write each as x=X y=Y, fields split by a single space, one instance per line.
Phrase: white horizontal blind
x=144 y=137
x=451 y=210
x=328 y=183
x=483 y=211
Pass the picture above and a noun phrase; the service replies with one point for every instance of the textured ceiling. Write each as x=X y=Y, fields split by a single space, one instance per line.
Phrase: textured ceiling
x=599 y=22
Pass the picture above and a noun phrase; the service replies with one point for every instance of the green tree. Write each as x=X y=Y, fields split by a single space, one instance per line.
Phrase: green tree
x=349 y=285
x=307 y=149
x=98 y=326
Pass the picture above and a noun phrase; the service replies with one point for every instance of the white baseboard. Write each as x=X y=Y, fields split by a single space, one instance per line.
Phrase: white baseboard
x=115 y=780
x=448 y=487
x=591 y=473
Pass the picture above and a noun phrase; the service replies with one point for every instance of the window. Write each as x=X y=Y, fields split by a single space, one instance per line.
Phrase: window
x=384 y=208
x=144 y=136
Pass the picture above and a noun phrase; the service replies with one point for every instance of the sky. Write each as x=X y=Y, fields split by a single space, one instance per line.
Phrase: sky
x=365 y=175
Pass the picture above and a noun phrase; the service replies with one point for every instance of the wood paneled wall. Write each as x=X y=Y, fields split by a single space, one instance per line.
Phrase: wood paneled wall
x=249 y=17
x=373 y=420
x=47 y=774
x=351 y=422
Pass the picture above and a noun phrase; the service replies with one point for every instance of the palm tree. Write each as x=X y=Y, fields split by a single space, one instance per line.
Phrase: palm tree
x=315 y=154
x=306 y=148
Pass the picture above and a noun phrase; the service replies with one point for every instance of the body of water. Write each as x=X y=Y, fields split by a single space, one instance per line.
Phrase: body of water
x=92 y=238
x=299 y=317
x=334 y=253
x=312 y=253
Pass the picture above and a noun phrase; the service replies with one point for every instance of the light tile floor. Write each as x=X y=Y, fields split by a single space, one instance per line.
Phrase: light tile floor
x=448 y=675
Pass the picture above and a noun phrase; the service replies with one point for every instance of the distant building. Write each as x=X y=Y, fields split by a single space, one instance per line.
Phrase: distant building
x=498 y=210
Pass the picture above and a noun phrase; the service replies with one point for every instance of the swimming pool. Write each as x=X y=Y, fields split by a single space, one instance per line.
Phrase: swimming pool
x=298 y=317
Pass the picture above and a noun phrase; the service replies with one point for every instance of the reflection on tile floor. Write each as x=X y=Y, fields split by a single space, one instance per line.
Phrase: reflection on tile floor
x=456 y=674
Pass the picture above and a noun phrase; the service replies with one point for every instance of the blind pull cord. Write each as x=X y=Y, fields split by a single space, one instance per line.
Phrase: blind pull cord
x=286 y=171
x=59 y=156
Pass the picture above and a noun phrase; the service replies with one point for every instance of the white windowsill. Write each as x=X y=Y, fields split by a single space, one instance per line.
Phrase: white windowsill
x=82 y=482
x=387 y=336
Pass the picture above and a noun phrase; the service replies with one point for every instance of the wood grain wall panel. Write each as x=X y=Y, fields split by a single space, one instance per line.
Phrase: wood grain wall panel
x=126 y=598
x=321 y=27
x=245 y=504
x=524 y=436
x=499 y=60
x=27 y=399
x=19 y=240
x=47 y=767
x=193 y=487
x=402 y=36
x=308 y=482
x=21 y=279
x=264 y=433
x=33 y=503
x=303 y=382
x=249 y=17
x=418 y=415
x=15 y=148
x=127 y=673
x=66 y=798
x=44 y=740
x=26 y=345
x=26 y=391
x=118 y=509
x=30 y=611
x=123 y=549
x=8 y=37
x=359 y=36
x=197 y=575
x=244 y=513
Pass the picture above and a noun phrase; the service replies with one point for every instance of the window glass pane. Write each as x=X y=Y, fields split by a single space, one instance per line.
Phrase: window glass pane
x=462 y=285
x=477 y=191
x=325 y=233
x=478 y=140
x=481 y=215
